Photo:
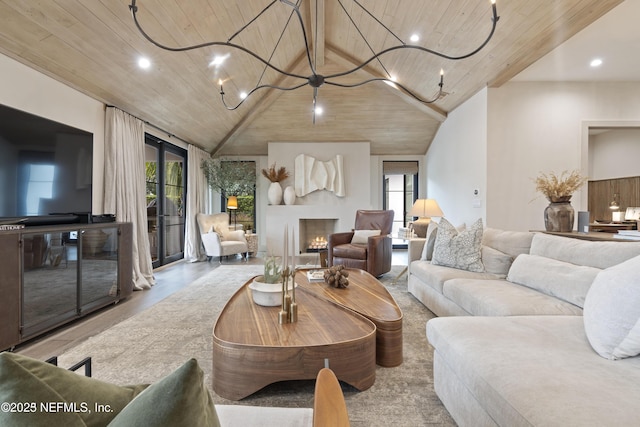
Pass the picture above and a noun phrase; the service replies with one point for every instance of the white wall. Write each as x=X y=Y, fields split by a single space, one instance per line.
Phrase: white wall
x=614 y=153
x=538 y=127
x=456 y=163
x=28 y=90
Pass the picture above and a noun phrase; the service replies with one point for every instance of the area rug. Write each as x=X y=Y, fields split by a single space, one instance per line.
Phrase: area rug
x=150 y=345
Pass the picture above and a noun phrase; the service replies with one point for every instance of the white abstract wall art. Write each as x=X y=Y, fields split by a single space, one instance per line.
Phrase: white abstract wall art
x=311 y=174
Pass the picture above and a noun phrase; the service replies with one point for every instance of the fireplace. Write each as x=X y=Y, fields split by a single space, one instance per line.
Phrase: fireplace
x=314 y=233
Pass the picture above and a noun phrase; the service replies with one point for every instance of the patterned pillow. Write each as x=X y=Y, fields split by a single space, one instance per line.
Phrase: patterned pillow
x=461 y=250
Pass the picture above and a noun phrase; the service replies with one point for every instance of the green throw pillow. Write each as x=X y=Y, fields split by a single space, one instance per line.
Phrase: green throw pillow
x=35 y=393
x=179 y=399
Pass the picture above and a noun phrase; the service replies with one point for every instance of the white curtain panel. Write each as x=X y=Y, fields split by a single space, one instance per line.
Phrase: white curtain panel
x=124 y=186
x=197 y=201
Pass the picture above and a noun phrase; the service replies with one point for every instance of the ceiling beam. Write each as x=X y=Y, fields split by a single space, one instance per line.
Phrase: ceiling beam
x=335 y=54
x=317 y=31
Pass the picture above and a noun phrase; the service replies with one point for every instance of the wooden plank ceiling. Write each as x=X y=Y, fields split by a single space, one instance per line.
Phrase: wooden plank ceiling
x=93 y=46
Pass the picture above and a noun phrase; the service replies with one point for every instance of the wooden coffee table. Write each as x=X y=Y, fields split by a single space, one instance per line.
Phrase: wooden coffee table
x=252 y=350
x=367 y=296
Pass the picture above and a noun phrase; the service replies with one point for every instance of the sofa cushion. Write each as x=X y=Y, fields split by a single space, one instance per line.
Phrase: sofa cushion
x=502 y=298
x=23 y=379
x=459 y=249
x=563 y=280
x=179 y=399
x=536 y=371
x=583 y=252
x=361 y=236
x=350 y=250
x=434 y=276
x=495 y=261
x=263 y=416
x=511 y=243
x=612 y=311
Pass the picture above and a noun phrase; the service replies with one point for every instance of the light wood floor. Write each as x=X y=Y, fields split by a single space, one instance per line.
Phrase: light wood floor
x=169 y=279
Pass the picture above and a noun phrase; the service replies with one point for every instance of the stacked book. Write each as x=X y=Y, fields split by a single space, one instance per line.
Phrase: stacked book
x=628 y=234
x=405 y=233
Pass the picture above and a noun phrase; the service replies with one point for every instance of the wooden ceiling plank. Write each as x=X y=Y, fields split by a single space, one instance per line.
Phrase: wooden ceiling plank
x=547 y=40
x=431 y=110
x=262 y=104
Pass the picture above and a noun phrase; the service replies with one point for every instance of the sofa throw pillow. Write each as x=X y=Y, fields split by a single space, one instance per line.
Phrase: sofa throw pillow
x=563 y=280
x=611 y=312
x=427 y=249
x=462 y=250
x=495 y=261
x=23 y=379
x=178 y=400
x=361 y=236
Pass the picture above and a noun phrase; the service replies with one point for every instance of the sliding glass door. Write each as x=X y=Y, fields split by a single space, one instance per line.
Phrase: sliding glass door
x=166 y=195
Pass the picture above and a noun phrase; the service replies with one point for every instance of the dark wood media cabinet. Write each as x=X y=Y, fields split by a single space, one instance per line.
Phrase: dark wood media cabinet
x=52 y=275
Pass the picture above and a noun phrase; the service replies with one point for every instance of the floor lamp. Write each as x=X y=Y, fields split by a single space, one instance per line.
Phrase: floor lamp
x=232 y=207
x=424 y=209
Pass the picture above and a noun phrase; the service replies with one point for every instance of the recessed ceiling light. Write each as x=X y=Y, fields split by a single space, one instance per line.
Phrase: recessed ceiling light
x=414 y=38
x=243 y=95
x=144 y=63
x=218 y=60
x=596 y=62
x=319 y=111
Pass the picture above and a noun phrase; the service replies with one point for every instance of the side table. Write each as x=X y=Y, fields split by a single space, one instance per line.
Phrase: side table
x=252 y=243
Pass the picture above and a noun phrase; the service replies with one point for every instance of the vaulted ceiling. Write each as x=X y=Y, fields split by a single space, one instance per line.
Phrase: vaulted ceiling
x=94 y=46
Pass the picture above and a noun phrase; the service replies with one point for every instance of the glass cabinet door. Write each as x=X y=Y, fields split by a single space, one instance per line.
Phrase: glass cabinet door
x=50 y=280
x=99 y=267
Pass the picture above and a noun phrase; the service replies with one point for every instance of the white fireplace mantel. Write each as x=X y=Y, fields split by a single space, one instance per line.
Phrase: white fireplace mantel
x=319 y=204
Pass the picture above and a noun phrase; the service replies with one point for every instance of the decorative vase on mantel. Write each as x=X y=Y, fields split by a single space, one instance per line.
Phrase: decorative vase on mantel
x=559 y=215
x=274 y=194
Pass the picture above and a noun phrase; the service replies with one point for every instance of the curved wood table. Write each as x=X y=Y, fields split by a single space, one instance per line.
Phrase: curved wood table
x=252 y=350
x=367 y=296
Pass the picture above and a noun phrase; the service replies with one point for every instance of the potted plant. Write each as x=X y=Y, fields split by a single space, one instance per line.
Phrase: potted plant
x=267 y=289
x=229 y=178
x=558 y=189
x=274 y=194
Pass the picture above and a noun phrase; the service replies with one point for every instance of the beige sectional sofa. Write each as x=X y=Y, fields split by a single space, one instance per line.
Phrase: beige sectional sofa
x=513 y=348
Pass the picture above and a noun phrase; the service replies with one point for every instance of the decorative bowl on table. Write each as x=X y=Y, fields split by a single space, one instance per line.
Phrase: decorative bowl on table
x=267 y=294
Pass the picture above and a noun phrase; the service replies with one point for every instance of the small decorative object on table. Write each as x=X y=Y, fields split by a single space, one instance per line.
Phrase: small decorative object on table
x=289 y=310
x=559 y=215
x=267 y=289
x=315 y=276
x=336 y=276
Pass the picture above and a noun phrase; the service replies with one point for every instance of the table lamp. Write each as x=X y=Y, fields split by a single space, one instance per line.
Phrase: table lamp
x=424 y=209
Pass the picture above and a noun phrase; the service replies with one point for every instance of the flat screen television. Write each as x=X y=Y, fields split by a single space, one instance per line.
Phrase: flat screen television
x=46 y=169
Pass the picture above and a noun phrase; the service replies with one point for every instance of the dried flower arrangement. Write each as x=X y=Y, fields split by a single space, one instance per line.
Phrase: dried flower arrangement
x=559 y=188
x=274 y=175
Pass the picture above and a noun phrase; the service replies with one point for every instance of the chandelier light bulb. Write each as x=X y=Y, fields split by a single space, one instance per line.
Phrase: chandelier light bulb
x=144 y=63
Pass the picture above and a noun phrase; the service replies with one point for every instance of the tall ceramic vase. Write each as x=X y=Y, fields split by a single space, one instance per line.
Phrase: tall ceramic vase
x=559 y=215
x=274 y=194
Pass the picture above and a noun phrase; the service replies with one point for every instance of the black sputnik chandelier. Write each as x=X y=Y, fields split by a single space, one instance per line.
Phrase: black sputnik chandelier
x=316 y=80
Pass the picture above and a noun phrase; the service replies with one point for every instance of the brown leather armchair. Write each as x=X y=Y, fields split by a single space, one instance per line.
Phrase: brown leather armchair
x=374 y=256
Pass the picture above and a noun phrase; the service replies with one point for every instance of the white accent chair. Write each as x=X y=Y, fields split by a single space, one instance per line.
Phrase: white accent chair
x=218 y=239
